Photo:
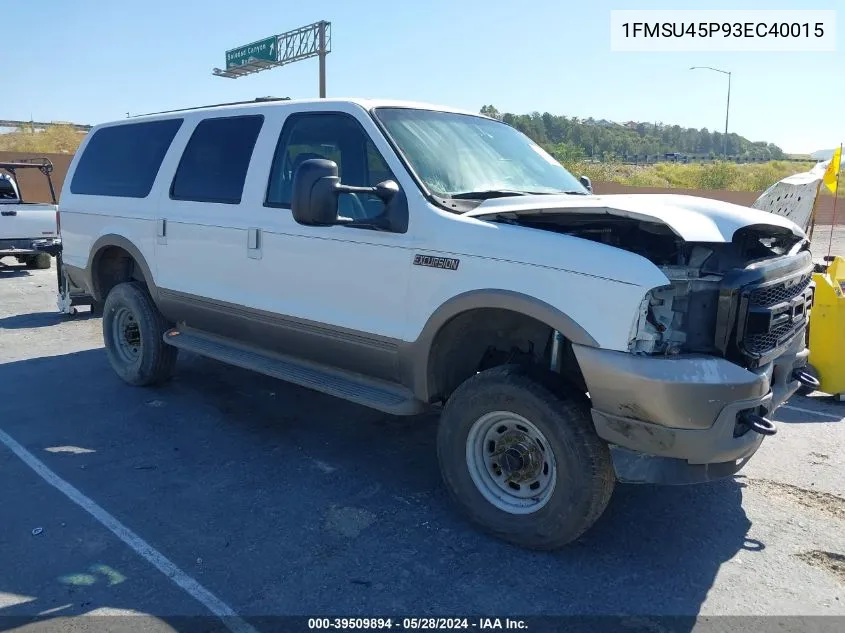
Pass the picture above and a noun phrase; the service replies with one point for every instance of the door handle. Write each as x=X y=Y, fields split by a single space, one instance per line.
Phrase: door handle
x=8 y=213
x=253 y=243
x=161 y=231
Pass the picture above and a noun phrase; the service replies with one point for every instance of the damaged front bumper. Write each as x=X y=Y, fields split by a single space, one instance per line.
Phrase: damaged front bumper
x=679 y=419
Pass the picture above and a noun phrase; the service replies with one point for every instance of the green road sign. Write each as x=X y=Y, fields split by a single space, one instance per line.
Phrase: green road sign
x=262 y=49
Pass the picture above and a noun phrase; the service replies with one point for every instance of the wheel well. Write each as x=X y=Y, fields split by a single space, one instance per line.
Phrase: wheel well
x=482 y=338
x=113 y=265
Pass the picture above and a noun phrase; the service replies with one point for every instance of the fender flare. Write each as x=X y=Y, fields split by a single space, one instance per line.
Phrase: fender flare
x=418 y=356
x=105 y=241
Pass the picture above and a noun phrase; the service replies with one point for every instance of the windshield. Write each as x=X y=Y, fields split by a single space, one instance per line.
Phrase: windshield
x=455 y=154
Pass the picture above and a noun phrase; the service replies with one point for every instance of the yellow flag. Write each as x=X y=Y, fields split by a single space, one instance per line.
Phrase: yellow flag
x=831 y=175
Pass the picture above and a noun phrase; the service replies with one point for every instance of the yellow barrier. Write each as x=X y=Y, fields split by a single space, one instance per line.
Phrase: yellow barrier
x=827 y=328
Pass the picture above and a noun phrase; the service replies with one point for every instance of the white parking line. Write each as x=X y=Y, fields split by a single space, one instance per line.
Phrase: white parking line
x=219 y=608
x=821 y=414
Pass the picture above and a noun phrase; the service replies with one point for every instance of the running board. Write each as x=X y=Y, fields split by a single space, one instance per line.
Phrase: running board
x=369 y=392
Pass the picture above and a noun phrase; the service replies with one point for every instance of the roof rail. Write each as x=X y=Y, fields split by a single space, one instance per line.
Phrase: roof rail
x=215 y=105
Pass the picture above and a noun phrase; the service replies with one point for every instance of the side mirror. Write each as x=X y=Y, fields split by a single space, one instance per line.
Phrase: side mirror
x=314 y=197
x=386 y=189
x=588 y=184
x=316 y=187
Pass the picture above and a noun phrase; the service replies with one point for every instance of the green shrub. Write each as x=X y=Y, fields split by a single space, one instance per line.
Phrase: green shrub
x=716 y=175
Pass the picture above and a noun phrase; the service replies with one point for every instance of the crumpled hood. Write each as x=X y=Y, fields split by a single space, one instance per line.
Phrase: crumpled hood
x=691 y=218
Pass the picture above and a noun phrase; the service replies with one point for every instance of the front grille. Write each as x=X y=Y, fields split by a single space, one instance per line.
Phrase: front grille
x=759 y=344
x=763 y=308
x=778 y=293
x=774 y=313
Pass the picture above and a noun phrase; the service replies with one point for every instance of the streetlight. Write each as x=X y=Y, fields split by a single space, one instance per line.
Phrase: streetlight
x=728 y=109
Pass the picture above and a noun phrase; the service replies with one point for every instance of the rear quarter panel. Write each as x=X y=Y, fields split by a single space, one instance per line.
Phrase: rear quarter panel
x=87 y=218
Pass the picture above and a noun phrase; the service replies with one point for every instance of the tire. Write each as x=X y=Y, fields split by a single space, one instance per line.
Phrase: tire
x=133 y=331
x=569 y=500
x=38 y=262
x=806 y=391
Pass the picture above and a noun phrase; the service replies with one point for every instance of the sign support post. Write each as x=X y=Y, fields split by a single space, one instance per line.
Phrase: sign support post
x=322 y=53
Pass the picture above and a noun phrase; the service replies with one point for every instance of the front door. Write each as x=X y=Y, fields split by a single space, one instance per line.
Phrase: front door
x=341 y=291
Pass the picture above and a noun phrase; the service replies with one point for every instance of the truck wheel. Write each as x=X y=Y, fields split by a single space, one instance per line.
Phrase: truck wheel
x=521 y=462
x=38 y=262
x=133 y=331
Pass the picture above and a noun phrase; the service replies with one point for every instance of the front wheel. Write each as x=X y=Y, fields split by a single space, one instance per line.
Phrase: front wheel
x=521 y=462
x=133 y=331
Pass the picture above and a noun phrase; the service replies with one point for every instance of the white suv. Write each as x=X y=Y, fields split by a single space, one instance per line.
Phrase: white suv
x=408 y=257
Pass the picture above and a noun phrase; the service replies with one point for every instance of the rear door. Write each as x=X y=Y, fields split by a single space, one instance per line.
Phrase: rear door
x=203 y=224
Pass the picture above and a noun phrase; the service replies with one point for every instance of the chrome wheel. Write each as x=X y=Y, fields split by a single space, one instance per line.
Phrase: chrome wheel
x=511 y=462
x=126 y=335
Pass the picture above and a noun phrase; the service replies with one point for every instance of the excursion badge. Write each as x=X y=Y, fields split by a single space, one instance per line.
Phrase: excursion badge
x=447 y=263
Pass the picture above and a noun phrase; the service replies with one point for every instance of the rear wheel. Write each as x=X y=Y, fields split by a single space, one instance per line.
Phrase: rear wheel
x=521 y=462
x=133 y=331
x=41 y=261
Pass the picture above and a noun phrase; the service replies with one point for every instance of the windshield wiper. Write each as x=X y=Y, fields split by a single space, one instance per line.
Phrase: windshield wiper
x=487 y=194
x=504 y=193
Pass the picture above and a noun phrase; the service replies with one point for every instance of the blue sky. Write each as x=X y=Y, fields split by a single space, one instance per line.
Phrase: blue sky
x=89 y=61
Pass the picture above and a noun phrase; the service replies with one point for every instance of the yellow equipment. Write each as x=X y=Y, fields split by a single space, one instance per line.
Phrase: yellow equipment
x=827 y=328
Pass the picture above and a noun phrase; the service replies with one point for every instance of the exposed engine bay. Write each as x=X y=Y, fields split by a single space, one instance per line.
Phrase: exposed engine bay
x=683 y=317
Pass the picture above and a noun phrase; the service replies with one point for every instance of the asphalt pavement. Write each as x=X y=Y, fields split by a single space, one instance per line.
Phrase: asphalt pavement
x=229 y=490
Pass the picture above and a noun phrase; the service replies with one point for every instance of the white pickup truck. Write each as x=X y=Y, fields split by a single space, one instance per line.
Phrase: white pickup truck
x=412 y=258
x=23 y=224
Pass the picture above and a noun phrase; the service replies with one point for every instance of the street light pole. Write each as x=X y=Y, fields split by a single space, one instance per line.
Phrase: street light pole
x=728 y=109
x=727 y=114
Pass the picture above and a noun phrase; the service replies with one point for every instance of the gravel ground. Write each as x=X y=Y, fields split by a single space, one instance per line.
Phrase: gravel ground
x=822 y=240
x=281 y=501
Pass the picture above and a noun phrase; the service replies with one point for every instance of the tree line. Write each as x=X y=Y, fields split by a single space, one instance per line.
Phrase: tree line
x=572 y=139
x=568 y=139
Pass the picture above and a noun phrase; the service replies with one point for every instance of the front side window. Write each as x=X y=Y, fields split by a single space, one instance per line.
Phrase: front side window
x=466 y=156
x=336 y=137
x=123 y=160
x=214 y=165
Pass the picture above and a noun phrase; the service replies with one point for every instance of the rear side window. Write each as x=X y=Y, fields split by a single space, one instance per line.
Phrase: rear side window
x=123 y=160
x=214 y=165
